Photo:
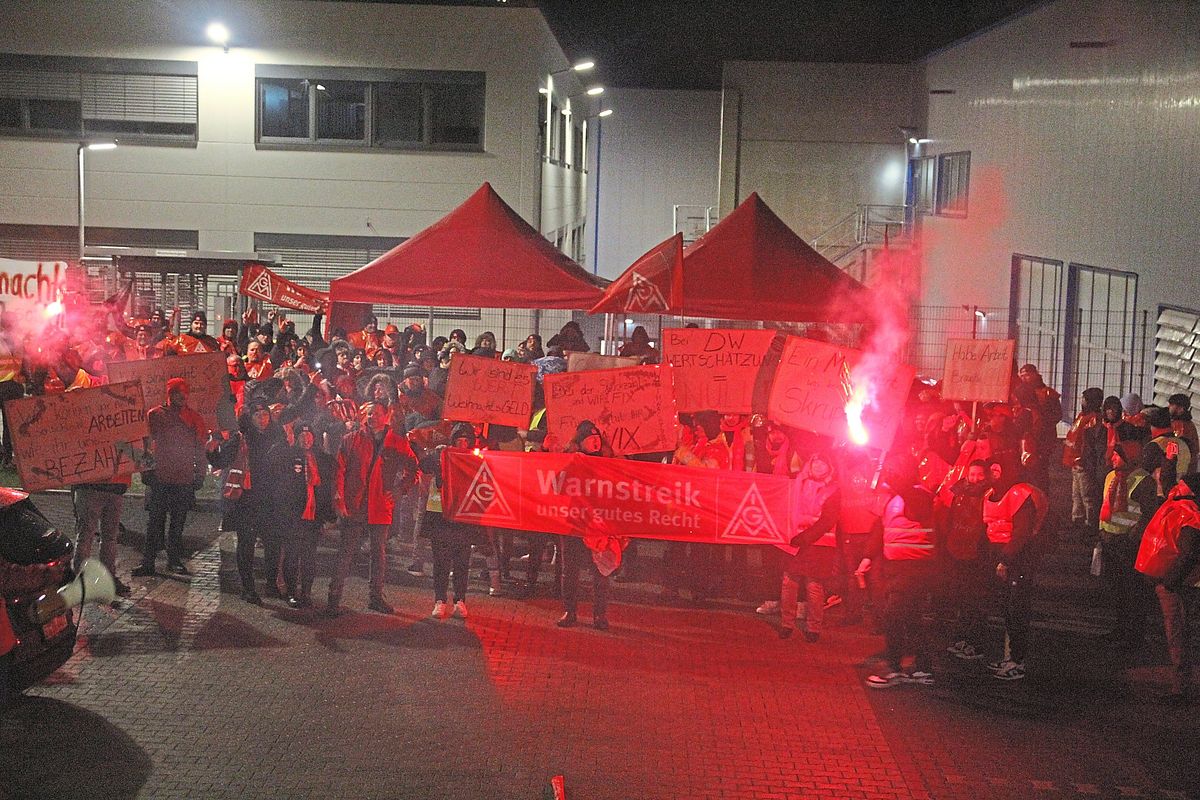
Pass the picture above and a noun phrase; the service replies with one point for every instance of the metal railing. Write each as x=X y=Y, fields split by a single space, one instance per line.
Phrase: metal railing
x=867 y=224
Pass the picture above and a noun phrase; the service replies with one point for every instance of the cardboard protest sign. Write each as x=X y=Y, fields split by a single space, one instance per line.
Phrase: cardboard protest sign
x=633 y=406
x=29 y=283
x=715 y=370
x=582 y=362
x=205 y=373
x=978 y=369
x=483 y=389
x=81 y=436
x=578 y=495
x=813 y=382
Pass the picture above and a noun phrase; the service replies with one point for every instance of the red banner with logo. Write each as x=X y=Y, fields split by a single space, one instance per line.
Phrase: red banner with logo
x=578 y=495
x=259 y=282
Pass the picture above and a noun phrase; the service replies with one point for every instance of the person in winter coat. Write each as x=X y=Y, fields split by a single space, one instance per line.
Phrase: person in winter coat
x=639 y=346
x=960 y=539
x=1180 y=407
x=569 y=339
x=1166 y=456
x=590 y=441
x=373 y=463
x=449 y=540
x=302 y=491
x=816 y=504
x=1112 y=430
x=1127 y=489
x=1014 y=512
x=1083 y=454
x=904 y=548
x=248 y=495
x=485 y=345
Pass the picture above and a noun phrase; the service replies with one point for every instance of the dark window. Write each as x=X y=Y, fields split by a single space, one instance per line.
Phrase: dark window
x=57 y=116
x=11 y=115
x=399 y=113
x=284 y=108
x=457 y=112
x=442 y=111
x=341 y=110
x=577 y=154
x=953 y=182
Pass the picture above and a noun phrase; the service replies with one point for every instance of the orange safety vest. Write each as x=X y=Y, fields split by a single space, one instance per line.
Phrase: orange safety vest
x=998 y=514
x=904 y=539
x=808 y=498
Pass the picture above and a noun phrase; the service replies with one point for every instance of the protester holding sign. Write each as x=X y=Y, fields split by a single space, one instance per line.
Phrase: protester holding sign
x=816 y=503
x=450 y=540
x=588 y=440
x=177 y=438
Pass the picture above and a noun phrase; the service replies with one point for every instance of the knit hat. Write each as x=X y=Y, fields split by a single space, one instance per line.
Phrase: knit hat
x=1181 y=400
x=200 y=315
x=509 y=355
x=390 y=330
x=178 y=383
x=1092 y=398
x=414 y=372
x=584 y=430
x=1112 y=402
x=1158 y=417
x=1132 y=403
x=462 y=430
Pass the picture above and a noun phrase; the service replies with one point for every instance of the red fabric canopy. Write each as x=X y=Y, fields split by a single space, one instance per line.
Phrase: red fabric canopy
x=480 y=254
x=749 y=266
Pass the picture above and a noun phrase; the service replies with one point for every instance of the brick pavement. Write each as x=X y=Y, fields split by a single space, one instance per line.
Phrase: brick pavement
x=187 y=692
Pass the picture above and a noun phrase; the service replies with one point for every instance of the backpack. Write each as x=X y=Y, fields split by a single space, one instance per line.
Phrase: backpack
x=1160 y=543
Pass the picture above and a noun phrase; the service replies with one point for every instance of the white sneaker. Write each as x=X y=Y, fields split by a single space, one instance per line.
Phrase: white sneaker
x=965 y=651
x=768 y=607
x=1010 y=671
x=460 y=610
x=886 y=680
x=440 y=610
x=919 y=676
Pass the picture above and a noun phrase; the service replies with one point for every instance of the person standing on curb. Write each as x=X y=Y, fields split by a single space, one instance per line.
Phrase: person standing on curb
x=177 y=438
x=577 y=555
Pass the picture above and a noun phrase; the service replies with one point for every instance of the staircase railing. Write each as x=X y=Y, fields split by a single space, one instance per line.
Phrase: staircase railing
x=867 y=224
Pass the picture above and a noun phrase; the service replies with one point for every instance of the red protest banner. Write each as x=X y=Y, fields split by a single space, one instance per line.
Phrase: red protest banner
x=715 y=370
x=813 y=383
x=579 y=495
x=263 y=284
x=633 y=406
x=483 y=389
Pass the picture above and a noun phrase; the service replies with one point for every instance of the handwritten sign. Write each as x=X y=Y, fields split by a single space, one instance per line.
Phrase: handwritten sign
x=82 y=436
x=32 y=282
x=633 y=406
x=482 y=389
x=715 y=370
x=205 y=373
x=814 y=381
x=583 y=362
x=977 y=369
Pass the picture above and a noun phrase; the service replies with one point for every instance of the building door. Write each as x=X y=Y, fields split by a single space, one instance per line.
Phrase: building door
x=1036 y=315
x=1102 y=320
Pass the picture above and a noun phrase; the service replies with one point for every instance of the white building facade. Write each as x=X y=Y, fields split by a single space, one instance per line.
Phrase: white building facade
x=325 y=134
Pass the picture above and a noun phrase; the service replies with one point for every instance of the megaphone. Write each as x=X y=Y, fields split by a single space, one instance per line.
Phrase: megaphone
x=93 y=584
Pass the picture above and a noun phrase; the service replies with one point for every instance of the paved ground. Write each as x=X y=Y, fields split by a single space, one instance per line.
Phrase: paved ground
x=187 y=692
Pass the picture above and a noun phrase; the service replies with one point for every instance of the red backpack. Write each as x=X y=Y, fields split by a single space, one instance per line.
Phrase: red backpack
x=1160 y=543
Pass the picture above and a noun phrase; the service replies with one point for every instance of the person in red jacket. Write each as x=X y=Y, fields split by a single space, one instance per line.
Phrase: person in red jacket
x=1013 y=512
x=816 y=503
x=177 y=438
x=373 y=462
x=1083 y=454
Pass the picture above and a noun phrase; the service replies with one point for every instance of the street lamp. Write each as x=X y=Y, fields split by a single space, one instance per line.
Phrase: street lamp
x=218 y=34
x=83 y=147
x=582 y=66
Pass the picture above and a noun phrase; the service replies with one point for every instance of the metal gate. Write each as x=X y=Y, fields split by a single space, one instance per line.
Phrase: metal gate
x=1102 y=349
x=1035 y=314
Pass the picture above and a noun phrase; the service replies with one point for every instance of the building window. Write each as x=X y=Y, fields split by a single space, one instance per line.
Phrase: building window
x=52 y=97
x=577 y=155
x=953 y=180
x=923 y=171
x=436 y=111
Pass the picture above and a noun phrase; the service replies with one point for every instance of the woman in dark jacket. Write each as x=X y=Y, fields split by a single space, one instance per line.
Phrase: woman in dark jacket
x=302 y=490
x=248 y=492
x=450 y=541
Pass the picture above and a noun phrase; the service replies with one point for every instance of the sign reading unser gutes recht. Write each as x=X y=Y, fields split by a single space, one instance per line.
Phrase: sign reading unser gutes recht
x=578 y=495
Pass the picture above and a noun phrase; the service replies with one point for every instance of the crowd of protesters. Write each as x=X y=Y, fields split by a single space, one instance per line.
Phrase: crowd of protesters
x=345 y=434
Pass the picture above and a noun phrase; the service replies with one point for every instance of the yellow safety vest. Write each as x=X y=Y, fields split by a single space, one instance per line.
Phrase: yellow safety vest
x=1121 y=521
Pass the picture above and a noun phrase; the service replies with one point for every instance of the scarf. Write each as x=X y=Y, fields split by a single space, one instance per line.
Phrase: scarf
x=781 y=456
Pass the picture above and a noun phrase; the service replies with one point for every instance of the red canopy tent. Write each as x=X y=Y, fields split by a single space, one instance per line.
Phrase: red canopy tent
x=749 y=266
x=480 y=254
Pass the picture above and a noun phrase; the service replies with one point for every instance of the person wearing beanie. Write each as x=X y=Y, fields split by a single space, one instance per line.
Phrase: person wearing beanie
x=1112 y=430
x=510 y=355
x=1044 y=403
x=1126 y=491
x=1166 y=456
x=1180 y=406
x=1083 y=455
x=450 y=541
x=177 y=438
x=1133 y=410
x=419 y=404
x=588 y=440
x=228 y=340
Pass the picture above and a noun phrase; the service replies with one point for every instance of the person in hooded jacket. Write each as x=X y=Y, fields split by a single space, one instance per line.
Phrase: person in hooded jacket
x=1180 y=408
x=589 y=441
x=1083 y=454
x=449 y=540
x=816 y=505
x=1112 y=430
x=302 y=491
x=569 y=339
x=960 y=541
x=1127 y=488
x=248 y=493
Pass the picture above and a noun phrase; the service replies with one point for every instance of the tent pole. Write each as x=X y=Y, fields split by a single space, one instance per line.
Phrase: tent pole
x=503 y=329
x=429 y=327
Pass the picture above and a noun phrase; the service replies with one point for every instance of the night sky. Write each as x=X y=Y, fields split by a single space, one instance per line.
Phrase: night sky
x=680 y=45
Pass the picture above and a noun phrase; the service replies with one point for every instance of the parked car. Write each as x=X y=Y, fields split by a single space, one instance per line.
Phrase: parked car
x=35 y=559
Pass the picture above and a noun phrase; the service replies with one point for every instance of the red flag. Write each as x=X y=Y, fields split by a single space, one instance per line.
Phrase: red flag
x=263 y=284
x=652 y=285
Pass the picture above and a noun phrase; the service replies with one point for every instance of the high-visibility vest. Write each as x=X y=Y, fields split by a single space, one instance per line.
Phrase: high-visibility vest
x=808 y=498
x=1119 y=522
x=1176 y=450
x=998 y=514
x=904 y=539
